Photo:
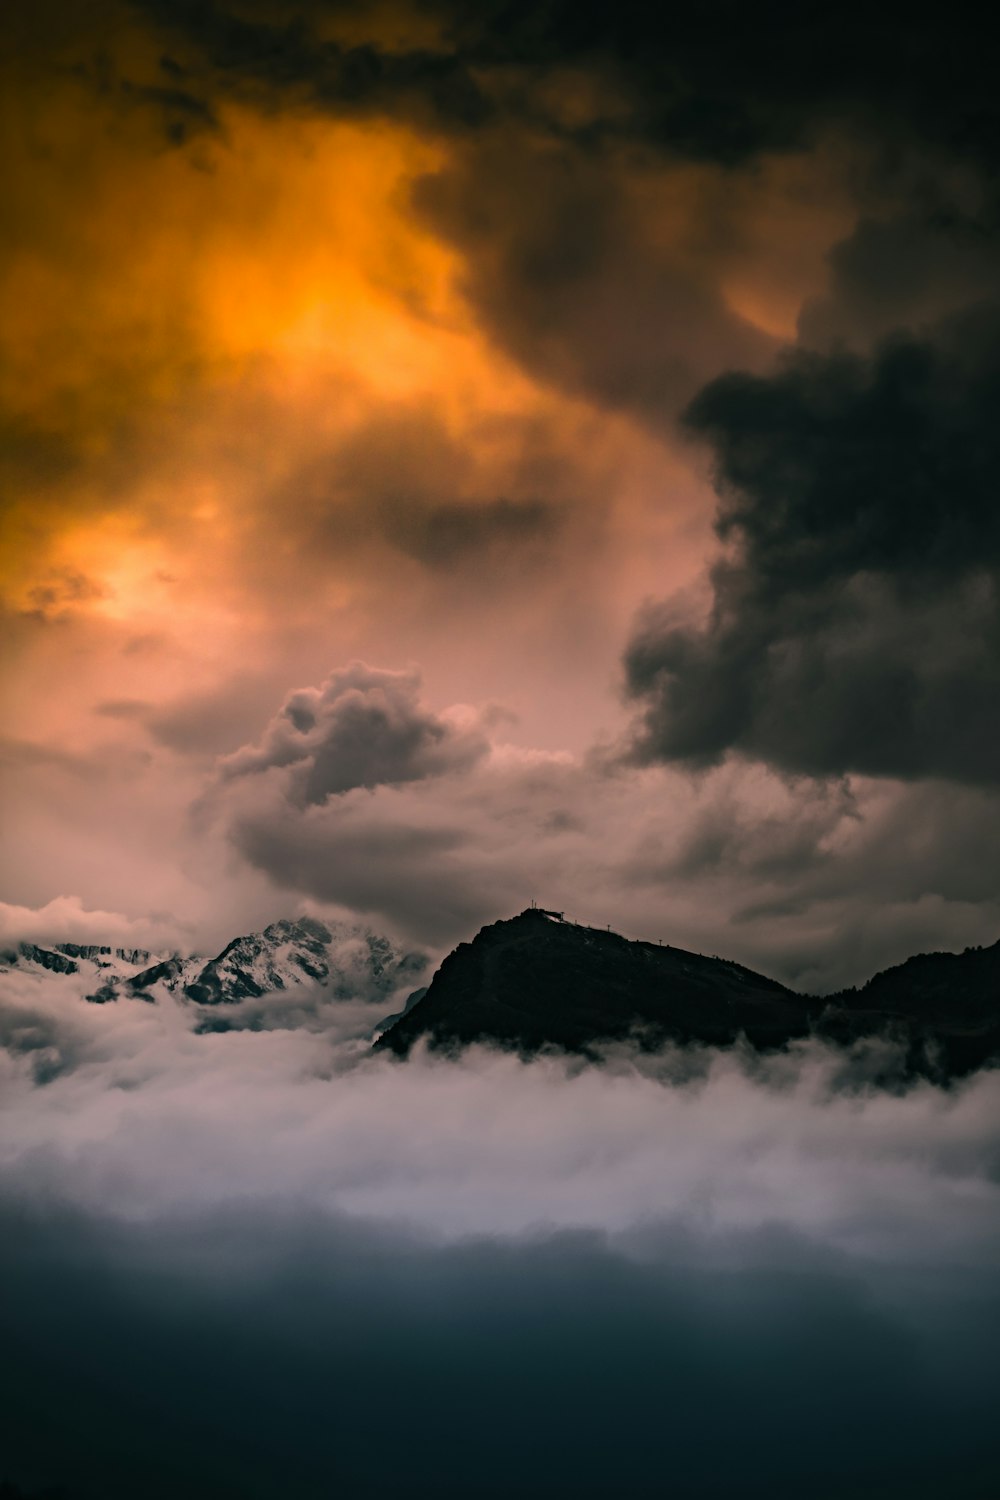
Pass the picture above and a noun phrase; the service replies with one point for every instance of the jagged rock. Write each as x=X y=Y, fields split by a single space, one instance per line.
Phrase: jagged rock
x=98 y=953
x=283 y=954
x=343 y=961
x=168 y=971
x=48 y=958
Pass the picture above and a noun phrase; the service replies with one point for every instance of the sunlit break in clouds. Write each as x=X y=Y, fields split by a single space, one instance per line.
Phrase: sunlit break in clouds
x=460 y=461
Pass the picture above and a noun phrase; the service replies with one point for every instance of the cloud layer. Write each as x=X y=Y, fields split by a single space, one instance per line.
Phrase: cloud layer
x=287 y=1245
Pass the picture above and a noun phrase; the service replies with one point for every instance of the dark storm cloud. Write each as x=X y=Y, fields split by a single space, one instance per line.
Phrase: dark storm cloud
x=720 y=82
x=282 y=58
x=725 y=80
x=570 y=273
x=856 y=617
x=550 y=106
x=365 y=727
x=902 y=271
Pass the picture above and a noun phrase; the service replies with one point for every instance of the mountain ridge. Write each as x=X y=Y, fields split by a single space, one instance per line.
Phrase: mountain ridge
x=536 y=981
x=344 y=959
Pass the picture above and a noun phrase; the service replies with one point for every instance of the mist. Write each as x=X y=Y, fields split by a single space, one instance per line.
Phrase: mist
x=262 y=1262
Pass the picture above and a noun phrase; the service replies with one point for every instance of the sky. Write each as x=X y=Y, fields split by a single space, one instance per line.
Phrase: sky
x=455 y=456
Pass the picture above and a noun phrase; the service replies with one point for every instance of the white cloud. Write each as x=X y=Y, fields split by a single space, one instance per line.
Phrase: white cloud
x=66 y=919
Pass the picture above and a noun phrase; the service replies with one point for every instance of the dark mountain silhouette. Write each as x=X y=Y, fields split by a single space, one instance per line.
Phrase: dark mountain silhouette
x=946 y=1005
x=538 y=981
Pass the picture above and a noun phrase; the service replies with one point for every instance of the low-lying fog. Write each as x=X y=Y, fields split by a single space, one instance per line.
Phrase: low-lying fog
x=263 y=1263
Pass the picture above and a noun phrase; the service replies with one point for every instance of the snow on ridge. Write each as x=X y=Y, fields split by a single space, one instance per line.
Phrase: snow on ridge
x=348 y=961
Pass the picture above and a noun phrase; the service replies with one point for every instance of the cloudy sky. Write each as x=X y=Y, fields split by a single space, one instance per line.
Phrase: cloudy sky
x=455 y=455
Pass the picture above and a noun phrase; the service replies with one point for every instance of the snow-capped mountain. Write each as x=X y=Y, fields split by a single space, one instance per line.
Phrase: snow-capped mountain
x=106 y=965
x=344 y=961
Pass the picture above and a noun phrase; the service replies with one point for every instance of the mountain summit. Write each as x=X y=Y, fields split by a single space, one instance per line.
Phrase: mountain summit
x=538 y=981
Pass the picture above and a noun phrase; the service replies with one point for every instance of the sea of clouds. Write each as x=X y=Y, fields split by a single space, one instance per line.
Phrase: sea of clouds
x=266 y=1262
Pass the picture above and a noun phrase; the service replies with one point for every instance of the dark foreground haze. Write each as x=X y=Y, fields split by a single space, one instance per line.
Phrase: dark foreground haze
x=254 y=1264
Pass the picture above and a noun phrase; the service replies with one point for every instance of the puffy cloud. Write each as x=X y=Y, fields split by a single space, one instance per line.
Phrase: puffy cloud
x=365 y=727
x=66 y=919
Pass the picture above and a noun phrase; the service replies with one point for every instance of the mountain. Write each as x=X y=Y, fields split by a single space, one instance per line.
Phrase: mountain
x=347 y=961
x=948 y=1004
x=538 y=981
x=343 y=960
x=109 y=966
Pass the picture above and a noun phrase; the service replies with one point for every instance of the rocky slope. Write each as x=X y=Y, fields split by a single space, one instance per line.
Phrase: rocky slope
x=537 y=981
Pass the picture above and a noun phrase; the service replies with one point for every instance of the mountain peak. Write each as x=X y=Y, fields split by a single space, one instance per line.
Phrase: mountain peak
x=537 y=980
x=346 y=960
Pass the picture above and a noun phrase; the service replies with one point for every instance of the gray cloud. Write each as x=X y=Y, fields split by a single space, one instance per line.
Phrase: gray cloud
x=424 y=874
x=324 y=1331
x=365 y=727
x=200 y=722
